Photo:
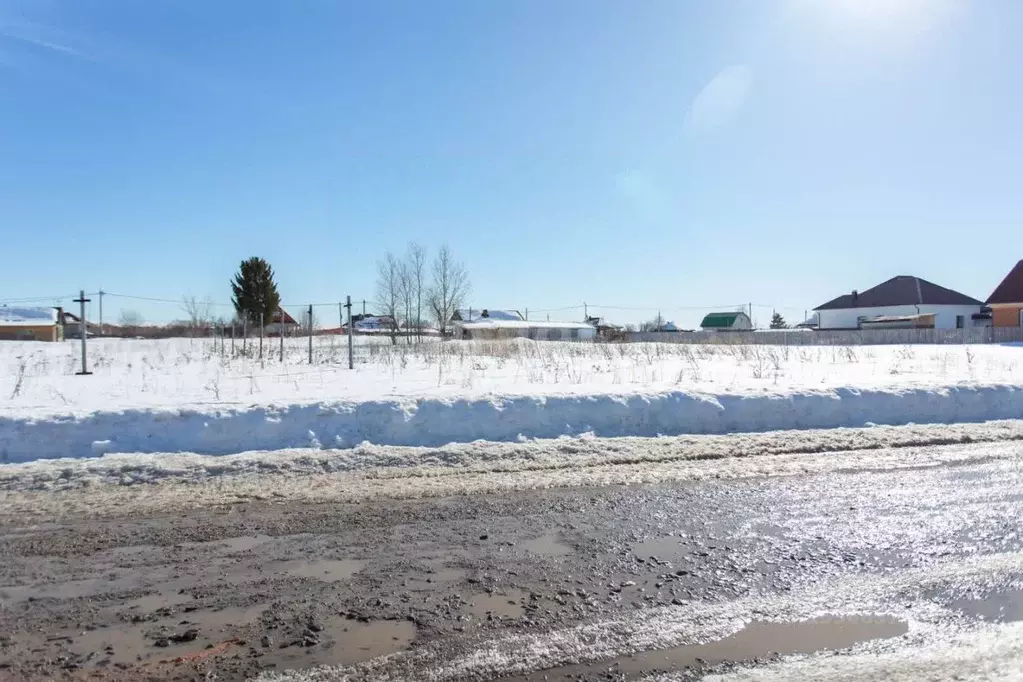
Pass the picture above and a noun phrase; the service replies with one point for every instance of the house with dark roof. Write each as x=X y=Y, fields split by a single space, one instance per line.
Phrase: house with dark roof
x=901 y=297
x=1006 y=301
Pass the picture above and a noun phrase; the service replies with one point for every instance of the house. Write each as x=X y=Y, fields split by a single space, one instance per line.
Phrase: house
x=278 y=326
x=900 y=296
x=477 y=314
x=465 y=316
x=605 y=329
x=373 y=324
x=922 y=321
x=531 y=329
x=29 y=324
x=726 y=322
x=1006 y=301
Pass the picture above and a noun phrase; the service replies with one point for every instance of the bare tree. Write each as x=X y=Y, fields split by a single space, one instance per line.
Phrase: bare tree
x=406 y=297
x=449 y=288
x=306 y=321
x=131 y=320
x=654 y=325
x=416 y=265
x=389 y=292
x=199 y=313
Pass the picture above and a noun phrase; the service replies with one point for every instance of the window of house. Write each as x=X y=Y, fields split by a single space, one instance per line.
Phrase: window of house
x=960 y=321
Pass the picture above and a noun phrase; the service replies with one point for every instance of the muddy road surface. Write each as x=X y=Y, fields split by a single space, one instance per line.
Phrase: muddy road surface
x=740 y=578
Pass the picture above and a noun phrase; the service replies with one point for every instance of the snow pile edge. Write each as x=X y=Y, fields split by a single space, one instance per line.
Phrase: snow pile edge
x=434 y=422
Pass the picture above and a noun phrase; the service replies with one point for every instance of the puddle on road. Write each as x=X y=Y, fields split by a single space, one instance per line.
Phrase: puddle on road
x=355 y=642
x=70 y=589
x=669 y=547
x=426 y=582
x=134 y=643
x=1000 y=607
x=236 y=545
x=154 y=602
x=507 y=605
x=756 y=640
x=327 y=570
x=547 y=545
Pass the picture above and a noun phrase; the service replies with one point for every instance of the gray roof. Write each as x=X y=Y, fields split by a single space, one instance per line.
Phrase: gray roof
x=901 y=290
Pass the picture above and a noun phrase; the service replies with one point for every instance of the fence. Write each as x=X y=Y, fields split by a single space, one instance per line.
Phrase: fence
x=852 y=337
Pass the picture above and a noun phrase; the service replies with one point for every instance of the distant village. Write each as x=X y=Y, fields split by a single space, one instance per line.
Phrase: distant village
x=902 y=302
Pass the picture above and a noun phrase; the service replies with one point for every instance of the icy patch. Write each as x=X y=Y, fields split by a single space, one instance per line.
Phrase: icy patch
x=931 y=628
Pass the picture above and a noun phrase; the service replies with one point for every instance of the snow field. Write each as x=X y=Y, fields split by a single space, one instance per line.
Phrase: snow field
x=195 y=395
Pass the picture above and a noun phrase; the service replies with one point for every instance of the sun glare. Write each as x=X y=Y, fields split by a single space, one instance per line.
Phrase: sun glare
x=909 y=15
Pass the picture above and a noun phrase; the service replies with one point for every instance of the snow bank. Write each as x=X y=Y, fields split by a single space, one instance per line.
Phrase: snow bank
x=198 y=395
x=435 y=422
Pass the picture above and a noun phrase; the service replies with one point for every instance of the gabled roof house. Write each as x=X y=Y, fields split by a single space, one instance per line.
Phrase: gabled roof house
x=901 y=296
x=1006 y=301
x=730 y=321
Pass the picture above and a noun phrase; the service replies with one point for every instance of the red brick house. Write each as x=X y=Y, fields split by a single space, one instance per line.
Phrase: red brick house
x=1006 y=301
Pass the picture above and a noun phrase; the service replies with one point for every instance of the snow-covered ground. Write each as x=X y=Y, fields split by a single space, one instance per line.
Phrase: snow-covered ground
x=196 y=395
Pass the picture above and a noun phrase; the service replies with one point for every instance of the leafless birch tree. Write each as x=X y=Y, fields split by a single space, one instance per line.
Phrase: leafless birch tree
x=449 y=287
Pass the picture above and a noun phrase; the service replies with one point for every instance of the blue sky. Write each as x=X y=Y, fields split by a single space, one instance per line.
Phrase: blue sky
x=665 y=154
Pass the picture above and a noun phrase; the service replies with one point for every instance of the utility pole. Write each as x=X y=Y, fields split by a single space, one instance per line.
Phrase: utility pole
x=101 y=332
x=83 y=330
x=586 y=311
x=363 y=308
x=348 y=304
x=280 y=331
x=310 y=333
x=527 y=314
x=261 y=325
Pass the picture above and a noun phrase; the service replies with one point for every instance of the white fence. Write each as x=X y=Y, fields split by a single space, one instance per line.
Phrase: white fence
x=864 y=337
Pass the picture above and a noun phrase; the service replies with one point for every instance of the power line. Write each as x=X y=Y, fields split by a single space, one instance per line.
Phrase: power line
x=33 y=299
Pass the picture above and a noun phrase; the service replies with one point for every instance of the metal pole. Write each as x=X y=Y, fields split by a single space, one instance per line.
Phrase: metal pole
x=245 y=333
x=351 y=331
x=310 y=333
x=83 y=330
x=363 y=309
x=261 y=336
x=232 y=339
x=280 y=331
x=101 y=312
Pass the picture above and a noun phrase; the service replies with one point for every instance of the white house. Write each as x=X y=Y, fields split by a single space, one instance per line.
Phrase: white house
x=901 y=297
x=531 y=329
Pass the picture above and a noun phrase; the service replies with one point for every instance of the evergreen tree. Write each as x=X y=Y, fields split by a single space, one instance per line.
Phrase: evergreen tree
x=255 y=292
x=777 y=321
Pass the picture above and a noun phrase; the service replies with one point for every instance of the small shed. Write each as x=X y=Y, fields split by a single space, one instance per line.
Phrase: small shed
x=29 y=324
x=726 y=322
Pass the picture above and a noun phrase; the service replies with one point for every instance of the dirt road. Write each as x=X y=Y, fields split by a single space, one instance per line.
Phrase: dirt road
x=546 y=584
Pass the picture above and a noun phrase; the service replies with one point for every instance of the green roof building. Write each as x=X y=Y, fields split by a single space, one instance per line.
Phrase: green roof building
x=726 y=322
